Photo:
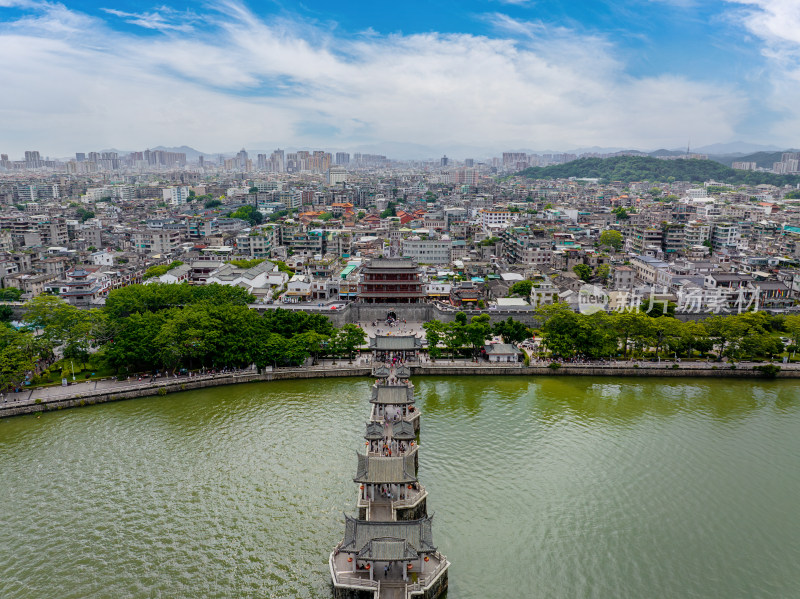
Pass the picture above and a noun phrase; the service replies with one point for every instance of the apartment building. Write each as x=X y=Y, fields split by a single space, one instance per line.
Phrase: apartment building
x=428 y=251
x=155 y=241
x=524 y=245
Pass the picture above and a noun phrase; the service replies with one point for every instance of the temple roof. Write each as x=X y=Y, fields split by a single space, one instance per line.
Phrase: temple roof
x=381 y=372
x=395 y=343
x=396 y=395
x=388 y=550
x=403 y=372
x=380 y=470
x=374 y=431
x=388 y=541
x=501 y=349
x=403 y=431
x=396 y=264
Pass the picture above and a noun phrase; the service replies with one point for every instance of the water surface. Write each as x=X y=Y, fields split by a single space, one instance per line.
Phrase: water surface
x=553 y=487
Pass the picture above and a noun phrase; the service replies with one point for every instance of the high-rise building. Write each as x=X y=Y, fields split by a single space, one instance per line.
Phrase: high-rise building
x=33 y=160
x=342 y=158
x=261 y=162
x=444 y=160
x=80 y=156
x=337 y=174
x=512 y=160
x=241 y=159
x=176 y=195
x=469 y=162
x=276 y=161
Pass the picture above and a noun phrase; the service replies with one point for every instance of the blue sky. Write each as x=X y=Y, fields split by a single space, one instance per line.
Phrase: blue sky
x=467 y=77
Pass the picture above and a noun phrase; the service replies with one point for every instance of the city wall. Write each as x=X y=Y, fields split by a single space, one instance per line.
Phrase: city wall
x=356 y=312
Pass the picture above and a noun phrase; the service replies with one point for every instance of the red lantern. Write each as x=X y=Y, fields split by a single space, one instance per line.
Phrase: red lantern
x=410 y=566
x=427 y=558
x=350 y=559
x=367 y=566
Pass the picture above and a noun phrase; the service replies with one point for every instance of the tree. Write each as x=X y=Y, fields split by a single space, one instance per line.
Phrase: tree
x=246 y=264
x=792 y=326
x=521 y=289
x=512 y=331
x=453 y=337
x=160 y=269
x=188 y=338
x=53 y=316
x=350 y=337
x=620 y=213
x=477 y=332
x=132 y=341
x=611 y=238
x=655 y=308
x=84 y=214
x=434 y=333
x=16 y=357
x=603 y=272
x=584 y=271
x=6 y=313
x=272 y=350
x=248 y=213
x=314 y=343
x=10 y=294
x=390 y=210
x=212 y=203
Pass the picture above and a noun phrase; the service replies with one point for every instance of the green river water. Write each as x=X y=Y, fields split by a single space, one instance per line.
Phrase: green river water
x=550 y=487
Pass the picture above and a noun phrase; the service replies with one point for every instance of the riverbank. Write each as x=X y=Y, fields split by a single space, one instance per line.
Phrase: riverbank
x=96 y=392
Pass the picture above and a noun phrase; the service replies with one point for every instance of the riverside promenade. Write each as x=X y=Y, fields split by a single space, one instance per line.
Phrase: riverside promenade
x=43 y=399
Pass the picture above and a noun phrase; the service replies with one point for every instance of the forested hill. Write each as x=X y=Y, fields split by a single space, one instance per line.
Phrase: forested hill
x=643 y=168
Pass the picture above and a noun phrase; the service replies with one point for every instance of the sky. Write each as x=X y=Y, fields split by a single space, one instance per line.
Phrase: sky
x=466 y=77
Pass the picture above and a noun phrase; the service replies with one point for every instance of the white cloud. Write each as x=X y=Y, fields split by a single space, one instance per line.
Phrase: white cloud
x=168 y=21
x=777 y=24
x=278 y=81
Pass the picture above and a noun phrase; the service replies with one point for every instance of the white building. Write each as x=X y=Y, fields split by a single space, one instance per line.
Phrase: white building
x=337 y=174
x=428 y=251
x=494 y=219
x=258 y=280
x=176 y=195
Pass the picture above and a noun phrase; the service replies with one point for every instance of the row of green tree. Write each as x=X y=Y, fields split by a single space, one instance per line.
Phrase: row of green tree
x=169 y=327
x=645 y=168
x=751 y=335
x=455 y=336
x=566 y=334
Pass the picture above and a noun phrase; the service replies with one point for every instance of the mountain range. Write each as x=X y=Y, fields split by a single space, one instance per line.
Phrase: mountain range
x=725 y=153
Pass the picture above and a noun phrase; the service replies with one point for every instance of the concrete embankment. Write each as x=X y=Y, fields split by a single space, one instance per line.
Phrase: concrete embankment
x=122 y=390
x=689 y=370
x=51 y=399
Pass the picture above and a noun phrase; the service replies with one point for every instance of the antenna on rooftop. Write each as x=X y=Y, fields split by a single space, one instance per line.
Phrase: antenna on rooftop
x=688 y=144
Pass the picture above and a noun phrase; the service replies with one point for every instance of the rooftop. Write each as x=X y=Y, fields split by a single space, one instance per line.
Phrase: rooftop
x=385 y=470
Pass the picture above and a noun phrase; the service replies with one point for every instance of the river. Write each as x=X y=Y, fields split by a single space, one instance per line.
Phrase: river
x=558 y=487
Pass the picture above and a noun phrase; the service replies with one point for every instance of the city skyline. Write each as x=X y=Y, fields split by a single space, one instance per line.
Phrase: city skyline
x=494 y=75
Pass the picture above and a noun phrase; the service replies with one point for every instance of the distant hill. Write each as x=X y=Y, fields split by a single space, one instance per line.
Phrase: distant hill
x=663 y=152
x=645 y=168
x=734 y=147
x=762 y=159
